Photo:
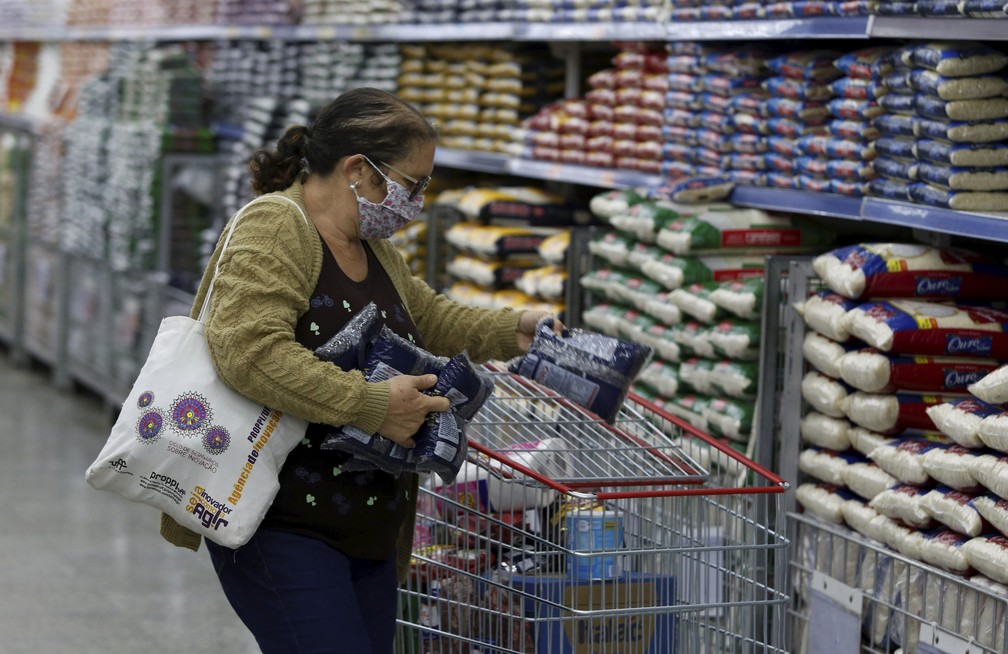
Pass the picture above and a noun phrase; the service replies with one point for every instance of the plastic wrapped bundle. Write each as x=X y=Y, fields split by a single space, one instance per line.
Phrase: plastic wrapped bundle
x=390 y=355
x=348 y=346
x=593 y=370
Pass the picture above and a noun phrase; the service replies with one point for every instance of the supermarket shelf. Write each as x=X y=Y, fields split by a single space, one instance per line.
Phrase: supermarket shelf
x=938 y=28
x=992 y=227
x=817 y=204
x=827 y=27
x=488 y=162
x=834 y=27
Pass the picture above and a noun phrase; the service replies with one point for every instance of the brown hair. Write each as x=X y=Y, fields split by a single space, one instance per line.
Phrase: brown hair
x=365 y=121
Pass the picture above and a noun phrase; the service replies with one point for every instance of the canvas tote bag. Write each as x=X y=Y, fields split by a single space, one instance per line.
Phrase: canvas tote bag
x=192 y=447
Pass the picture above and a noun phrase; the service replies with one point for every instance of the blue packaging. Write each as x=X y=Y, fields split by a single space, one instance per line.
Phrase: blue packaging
x=593 y=531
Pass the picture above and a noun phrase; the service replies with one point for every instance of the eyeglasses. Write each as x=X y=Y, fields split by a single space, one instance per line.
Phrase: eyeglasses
x=419 y=185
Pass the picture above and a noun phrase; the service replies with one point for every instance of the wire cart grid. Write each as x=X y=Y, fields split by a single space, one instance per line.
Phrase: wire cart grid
x=563 y=534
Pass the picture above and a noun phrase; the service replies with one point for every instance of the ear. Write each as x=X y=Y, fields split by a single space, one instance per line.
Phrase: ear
x=353 y=167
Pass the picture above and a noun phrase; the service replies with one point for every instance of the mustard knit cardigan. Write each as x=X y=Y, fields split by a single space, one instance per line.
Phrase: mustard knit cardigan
x=267 y=275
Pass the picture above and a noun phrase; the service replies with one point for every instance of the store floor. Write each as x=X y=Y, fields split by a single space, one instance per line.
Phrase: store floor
x=84 y=571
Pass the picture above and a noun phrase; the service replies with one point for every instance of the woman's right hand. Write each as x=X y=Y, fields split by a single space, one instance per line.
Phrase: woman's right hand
x=409 y=406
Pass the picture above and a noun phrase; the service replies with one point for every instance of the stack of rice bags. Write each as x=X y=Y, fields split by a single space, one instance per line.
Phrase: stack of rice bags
x=947 y=119
x=801 y=86
x=878 y=370
x=685 y=277
x=712 y=117
x=616 y=124
x=497 y=245
x=479 y=93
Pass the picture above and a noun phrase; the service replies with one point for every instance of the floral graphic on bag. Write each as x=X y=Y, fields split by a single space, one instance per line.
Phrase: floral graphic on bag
x=216 y=440
x=149 y=426
x=145 y=400
x=190 y=414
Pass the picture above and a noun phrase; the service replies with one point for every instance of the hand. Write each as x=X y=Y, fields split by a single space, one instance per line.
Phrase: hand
x=409 y=406
x=527 y=324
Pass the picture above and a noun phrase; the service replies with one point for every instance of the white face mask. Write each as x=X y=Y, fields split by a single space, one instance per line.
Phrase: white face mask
x=384 y=219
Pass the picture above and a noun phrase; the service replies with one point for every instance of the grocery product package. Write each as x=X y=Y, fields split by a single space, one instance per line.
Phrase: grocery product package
x=593 y=370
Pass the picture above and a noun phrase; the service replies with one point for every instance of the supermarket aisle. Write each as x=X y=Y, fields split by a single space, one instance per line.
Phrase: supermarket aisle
x=84 y=571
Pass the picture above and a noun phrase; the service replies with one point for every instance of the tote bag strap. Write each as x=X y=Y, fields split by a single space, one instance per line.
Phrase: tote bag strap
x=227 y=239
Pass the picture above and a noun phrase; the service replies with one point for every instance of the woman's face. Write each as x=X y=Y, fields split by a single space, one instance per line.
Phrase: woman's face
x=410 y=171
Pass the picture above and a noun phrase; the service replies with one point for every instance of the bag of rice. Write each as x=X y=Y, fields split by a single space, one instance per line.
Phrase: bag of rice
x=981 y=155
x=867 y=479
x=872 y=371
x=824 y=312
x=823 y=500
x=963 y=178
x=960 y=419
x=738 y=379
x=910 y=270
x=695 y=300
x=673 y=272
x=749 y=229
x=858 y=516
x=865 y=440
x=827 y=465
x=824 y=394
x=730 y=418
x=993 y=431
x=824 y=354
x=991 y=470
x=904 y=502
x=735 y=339
x=993 y=509
x=695 y=373
x=901 y=458
x=988 y=554
x=943 y=548
x=933 y=196
x=661 y=376
x=890 y=413
x=983 y=109
x=823 y=431
x=956 y=59
x=993 y=387
x=607 y=204
x=973 y=87
x=916 y=327
x=961 y=131
x=696 y=190
x=952 y=465
x=743 y=298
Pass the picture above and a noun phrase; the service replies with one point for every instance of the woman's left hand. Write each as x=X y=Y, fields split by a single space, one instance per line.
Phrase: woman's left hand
x=527 y=325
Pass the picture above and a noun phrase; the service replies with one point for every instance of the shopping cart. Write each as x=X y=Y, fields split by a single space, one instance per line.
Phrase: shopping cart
x=565 y=534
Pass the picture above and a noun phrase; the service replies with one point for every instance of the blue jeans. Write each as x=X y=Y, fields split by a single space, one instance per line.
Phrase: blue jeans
x=298 y=595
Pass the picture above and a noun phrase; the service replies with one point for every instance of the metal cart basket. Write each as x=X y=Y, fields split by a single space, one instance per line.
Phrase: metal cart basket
x=564 y=534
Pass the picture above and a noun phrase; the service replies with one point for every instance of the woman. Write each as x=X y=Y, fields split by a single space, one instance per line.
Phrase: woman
x=321 y=574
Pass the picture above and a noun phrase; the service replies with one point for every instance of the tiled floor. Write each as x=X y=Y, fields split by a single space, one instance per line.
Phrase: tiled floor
x=83 y=571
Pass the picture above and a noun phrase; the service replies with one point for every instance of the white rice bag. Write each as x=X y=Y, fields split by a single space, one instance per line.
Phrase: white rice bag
x=993 y=509
x=910 y=270
x=942 y=548
x=823 y=431
x=890 y=413
x=916 y=327
x=954 y=509
x=991 y=470
x=990 y=625
x=952 y=465
x=743 y=298
x=960 y=419
x=867 y=479
x=872 y=371
x=988 y=554
x=858 y=516
x=825 y=501
x=993 y=388
x=824 y=394
x=901 y=458
x=824 y=312
x=904 y=502
x=823 y=353
x=826 y=465
x=865 y=440
x=993 y=431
